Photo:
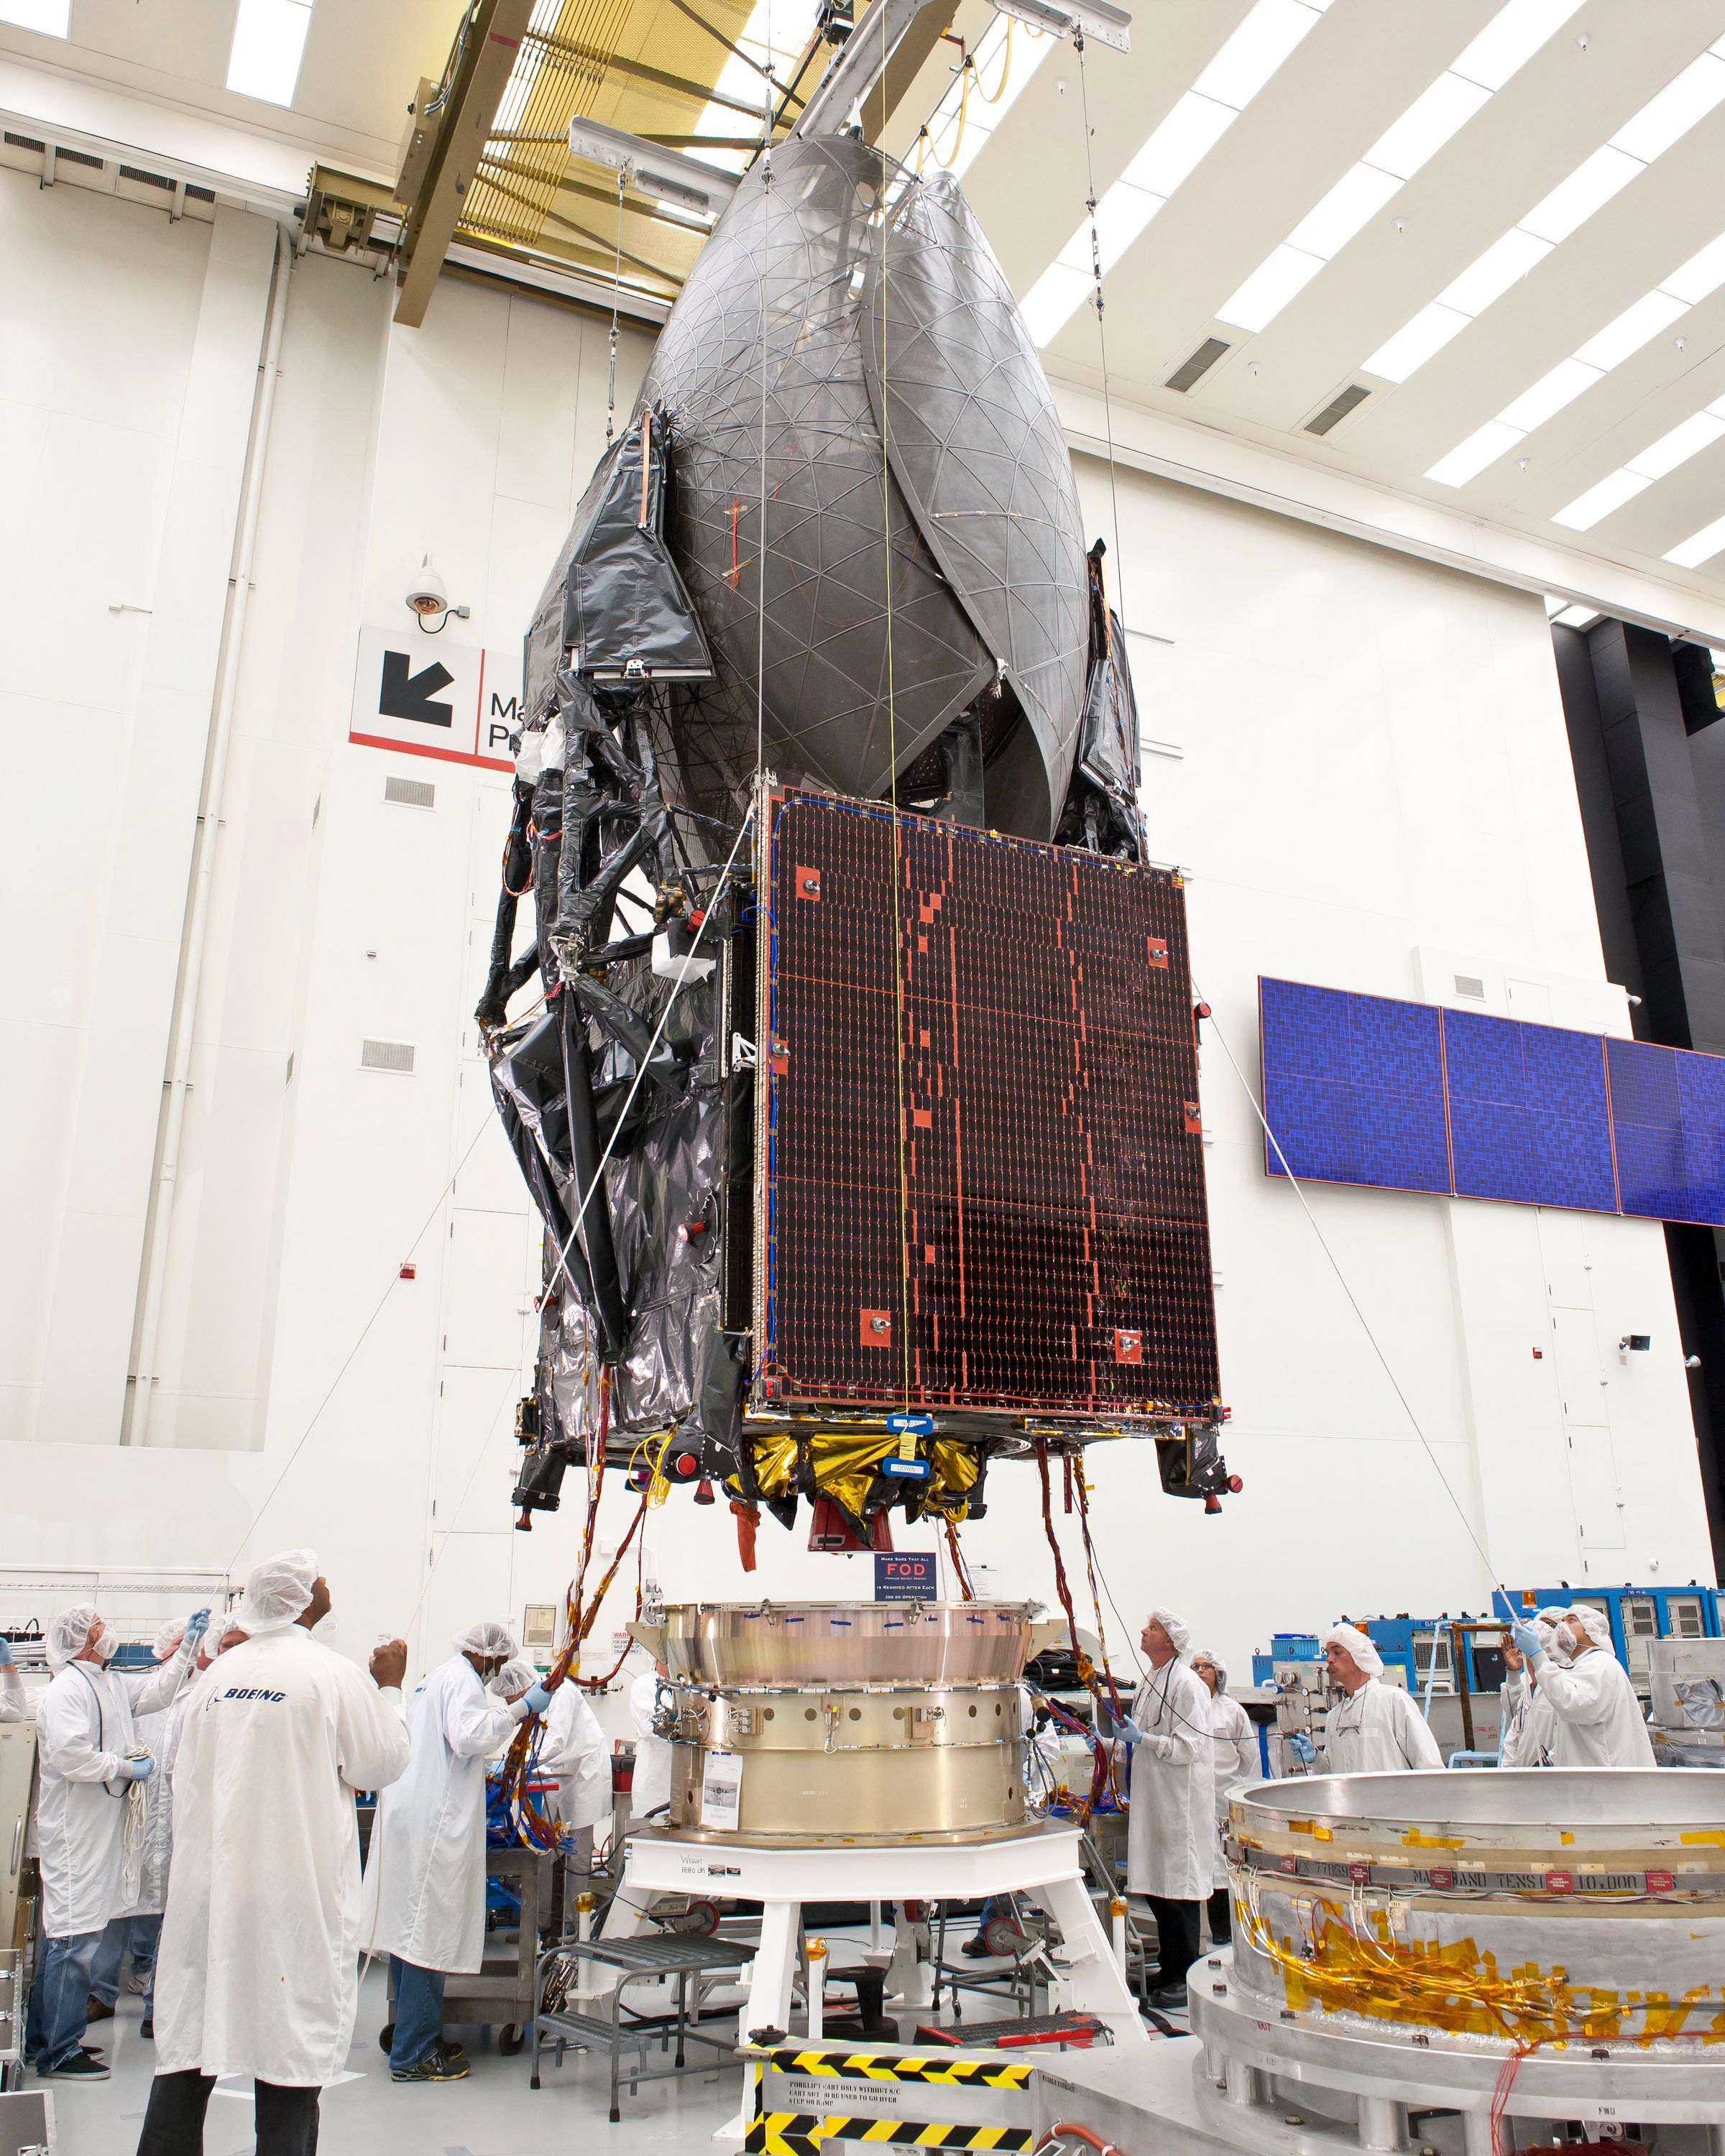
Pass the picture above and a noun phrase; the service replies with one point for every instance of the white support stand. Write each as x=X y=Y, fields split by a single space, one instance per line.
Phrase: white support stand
x=1043 y=1862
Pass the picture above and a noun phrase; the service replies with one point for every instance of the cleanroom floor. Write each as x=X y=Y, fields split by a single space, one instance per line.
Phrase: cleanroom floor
x=493 y=2112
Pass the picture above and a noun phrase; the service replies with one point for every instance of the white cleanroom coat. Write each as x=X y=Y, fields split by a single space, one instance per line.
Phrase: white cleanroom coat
x=424 y=1890
x=1171 y=1837
x=16 y=1704
x=157 y=1733
x=1529 y=1726
x=1378 y=1730
x=83 y=1730
x=651 y=1786
x=1598 y=1718
x=257 y=1973
x=574 y=1749
x=1234 y=1748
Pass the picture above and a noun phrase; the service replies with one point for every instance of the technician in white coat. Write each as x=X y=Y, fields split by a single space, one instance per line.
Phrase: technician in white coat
x=258 y=1971
x=1234 y=1748
x=1172 y=1828
x=1377 y=1729
x=423 y=1901
x=574 y=1748
x=83 y=1734
x=16 y=1704
x=650 y=1787
x=1598 y=1720
x=1529 y=1727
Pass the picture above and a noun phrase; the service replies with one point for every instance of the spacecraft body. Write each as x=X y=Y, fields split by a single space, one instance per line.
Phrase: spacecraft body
x=860 y=1098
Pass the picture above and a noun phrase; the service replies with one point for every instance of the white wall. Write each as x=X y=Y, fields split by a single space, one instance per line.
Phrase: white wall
x=1369 y=788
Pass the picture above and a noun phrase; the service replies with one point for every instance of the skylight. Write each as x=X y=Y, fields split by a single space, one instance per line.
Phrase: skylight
x=52 y=18
x=269 y=42
x=1663 y=120
x=1620 y=340
x=1510 y=39
x=1201 y=116
x=1699 y=432
x=775 y=36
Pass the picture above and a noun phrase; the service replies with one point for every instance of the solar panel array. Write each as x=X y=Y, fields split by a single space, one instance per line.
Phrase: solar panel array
x=985 y=1164
x=1397 y=1095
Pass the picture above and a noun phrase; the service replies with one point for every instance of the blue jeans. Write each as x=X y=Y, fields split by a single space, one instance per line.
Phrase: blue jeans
x=53 y=2029
x=145 y=1937
x=105 y=1971
x=418 y=2013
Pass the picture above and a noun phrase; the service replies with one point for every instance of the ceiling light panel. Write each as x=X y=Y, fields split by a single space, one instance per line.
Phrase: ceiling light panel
x=1700 y=546
x=1699 y=432
x=269 y=43
x=1621 y=339
x=1663 y=120
x=1245 y=62
x=52 y=18
x=1577 y=617
x=1508 y=41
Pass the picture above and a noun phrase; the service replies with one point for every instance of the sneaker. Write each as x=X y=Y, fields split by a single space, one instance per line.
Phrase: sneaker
x=82 y=2065
x=1170 y=1997
x=99 y=2010
x=147 y=2029
x=445 y=2050
x=977 y=1950
x=434 y=2067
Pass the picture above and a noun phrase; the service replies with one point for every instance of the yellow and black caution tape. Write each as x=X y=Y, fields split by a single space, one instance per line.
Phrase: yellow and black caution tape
x=899 y=2067
x=783 y=2133
x=911 y=2133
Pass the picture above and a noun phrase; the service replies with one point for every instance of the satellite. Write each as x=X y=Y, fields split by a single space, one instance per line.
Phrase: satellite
x=857 y=1087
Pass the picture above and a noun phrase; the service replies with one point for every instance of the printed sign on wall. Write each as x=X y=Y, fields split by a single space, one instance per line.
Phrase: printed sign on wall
x=432 y=696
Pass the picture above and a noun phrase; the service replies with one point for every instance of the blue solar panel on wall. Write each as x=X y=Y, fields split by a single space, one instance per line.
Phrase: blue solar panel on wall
x=1354 y=1087
x=1529 y=1117
x=1668 y=1116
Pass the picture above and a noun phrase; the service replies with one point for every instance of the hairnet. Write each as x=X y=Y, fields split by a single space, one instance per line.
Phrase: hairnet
x=167 y=1639
x=1594 y=1623
x=514 y=1678
x=70 y=1633
x=1216 y=1661
x=1179 y=1632
x=1546 y=1624
x=487 y=1638
x=222 y=1630
x=1353 y=1642
x=277 y=1592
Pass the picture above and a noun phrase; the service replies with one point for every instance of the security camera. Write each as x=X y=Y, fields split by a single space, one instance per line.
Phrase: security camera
x=428 y=596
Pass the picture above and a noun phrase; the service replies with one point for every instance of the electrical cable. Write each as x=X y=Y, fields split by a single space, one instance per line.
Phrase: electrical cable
x=1353 y=1301
x=1096 y=256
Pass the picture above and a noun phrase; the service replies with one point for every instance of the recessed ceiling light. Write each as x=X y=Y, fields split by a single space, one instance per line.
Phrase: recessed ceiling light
x=1611 y=493
x=1550 y=394
x=1661 y=122
x=1700 y=546
x=1506 y=43
x=52 y=18
x=269 y=42
x=1177 y=145
x=1414 y=343
x=1577 y=617
x=1676 y=448
x=1469 y=459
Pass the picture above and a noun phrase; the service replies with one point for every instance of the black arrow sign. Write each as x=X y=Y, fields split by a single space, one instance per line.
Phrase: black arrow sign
x=405 y=696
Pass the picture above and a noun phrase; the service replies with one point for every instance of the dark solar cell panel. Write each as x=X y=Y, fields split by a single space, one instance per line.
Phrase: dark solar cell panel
x=1668 y=1122
x=1353 y=1088
x=985 y=1172
x=1529 y=1118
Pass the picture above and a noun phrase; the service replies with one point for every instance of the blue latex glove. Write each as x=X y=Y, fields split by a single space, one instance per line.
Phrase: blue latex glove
x=5 y=1655
x=196 y=1624
x=1303 y=1749
x=538 y=1698
x=1528 y=1640
x=1130 y=1734
x=141 y=1770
